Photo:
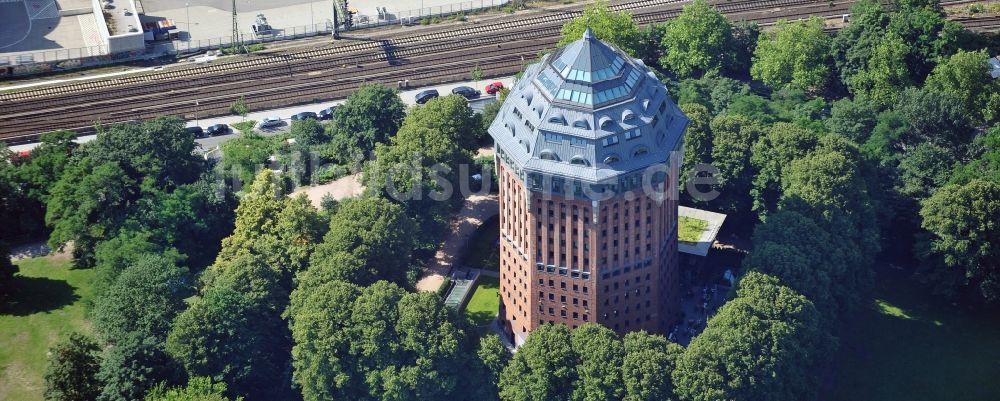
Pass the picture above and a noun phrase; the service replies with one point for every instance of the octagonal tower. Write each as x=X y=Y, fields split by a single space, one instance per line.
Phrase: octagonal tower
x=585 y=144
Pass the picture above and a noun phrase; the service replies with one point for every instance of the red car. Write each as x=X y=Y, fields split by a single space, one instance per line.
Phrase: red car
x=493 y=88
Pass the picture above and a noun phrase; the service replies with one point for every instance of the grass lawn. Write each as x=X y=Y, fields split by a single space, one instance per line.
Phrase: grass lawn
x=244 y=126
x=485 y=302
x=483 y=251
x=910 y=345
x=690 y=229
x=48 y=301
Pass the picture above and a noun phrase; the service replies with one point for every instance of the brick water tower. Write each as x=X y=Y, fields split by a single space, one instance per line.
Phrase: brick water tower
x=585 y=144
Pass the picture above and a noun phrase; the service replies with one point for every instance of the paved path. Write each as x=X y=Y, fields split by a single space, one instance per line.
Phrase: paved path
x=476 y=210
x=343 y=188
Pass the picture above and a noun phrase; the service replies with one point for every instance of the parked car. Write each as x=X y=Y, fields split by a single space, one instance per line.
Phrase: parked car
x=426 y=95
x=197 y=132
x=493 y=88
x=466 y=92
x=327 y=113
x=218 y=129
x=269 y=122
x=304 y=115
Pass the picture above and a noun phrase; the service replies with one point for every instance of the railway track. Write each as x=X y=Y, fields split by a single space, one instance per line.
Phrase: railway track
x=280 y=79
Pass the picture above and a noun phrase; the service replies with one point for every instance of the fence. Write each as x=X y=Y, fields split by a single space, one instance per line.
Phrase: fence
x=64 y=59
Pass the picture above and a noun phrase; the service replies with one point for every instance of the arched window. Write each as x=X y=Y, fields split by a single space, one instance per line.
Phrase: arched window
x=547 y=154
x=611 y=159
x=579 y=160
x=627 y=115
x=581 y=124
x=606 y=123
x=640 y=151
x=557 y=120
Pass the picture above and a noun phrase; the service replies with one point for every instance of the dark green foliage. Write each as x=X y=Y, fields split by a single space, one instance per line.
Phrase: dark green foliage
x=647 y=365
x=733 y=137
x=7 y=271
x=782 y=144
x=116 y=254
x=697 y=138
x=494 y=357
x=133 y=366
x=852 y=119
x=590 y=364
x=197 y=389
x=923 y=169
x=143 y=300
x=935 y=117
x=765 y=344
x=371 y=115
x=986 y=165
x=71 y=374
x=715 y=93
x=370 y=239
x=103 y=184
x=227 y=336
x=962 y=221
x=376 y=343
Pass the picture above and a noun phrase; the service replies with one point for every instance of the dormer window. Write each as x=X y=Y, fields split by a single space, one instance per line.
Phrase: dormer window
x=557 y=120
x=640 y=151
x=611 y=159
x=582 y=124
x=627 y=115
x=579 y=160
x=547 y=154
x=606 y=123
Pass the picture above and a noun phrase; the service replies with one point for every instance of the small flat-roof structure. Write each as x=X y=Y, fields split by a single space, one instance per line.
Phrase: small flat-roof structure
x=709 y=230
x=995 y=67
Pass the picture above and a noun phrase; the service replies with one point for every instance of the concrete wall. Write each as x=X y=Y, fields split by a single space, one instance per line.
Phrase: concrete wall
x=124 y=42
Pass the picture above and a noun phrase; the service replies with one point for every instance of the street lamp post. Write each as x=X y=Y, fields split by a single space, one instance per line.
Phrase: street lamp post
x=187 y=9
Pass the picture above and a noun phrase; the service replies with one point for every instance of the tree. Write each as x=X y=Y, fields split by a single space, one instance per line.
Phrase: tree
x=375 y=343
x=494 y=357
x=600 y=353
x=476 y=74
x=369 y=116
x=102 y=186
x=745 y=39
x=851 y=49
x=370 y=239
x=965 y=76
x=142 y=301
x=452 y=116
x=715 y=93
x=962 y=222
x=886 y=75
x=794 y=55
x=71 y=374
x=543 y=369
x=197 y=389
x=986 y=165
x=226 y=336
x=766 y=343
x=698 y=41
x=240 y=108
x=929 y=34
x=647 y=366
x=133 y=366
x=697 y=138
x=783 y=143
x=853 y=119
x=244 y=157
x=616 y=28
x=733 y=137
x=280 y=230
x=924 y=169
x=7 y=271
x=935 y=117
